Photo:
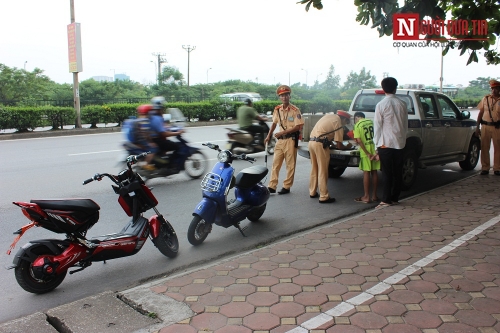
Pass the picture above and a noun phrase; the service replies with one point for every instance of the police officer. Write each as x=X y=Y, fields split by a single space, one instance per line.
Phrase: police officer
x=329 y=128
x=489 y=118
x=290 y=120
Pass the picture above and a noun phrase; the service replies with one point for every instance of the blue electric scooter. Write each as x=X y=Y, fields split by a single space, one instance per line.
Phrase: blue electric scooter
x=250 y=202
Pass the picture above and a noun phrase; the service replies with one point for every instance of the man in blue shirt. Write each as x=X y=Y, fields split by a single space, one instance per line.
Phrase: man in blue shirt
x=159 y=132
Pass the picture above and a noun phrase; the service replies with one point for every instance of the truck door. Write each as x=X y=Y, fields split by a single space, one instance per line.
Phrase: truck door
x=455 y=134
x=432 y=131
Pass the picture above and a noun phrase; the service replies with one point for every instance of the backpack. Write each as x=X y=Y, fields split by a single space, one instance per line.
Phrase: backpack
x=137 y=130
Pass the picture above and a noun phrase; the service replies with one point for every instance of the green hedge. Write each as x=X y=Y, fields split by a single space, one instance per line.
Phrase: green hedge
x=465 y=103
x=28 y=118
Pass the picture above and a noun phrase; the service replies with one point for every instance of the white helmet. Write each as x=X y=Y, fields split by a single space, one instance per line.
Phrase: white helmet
x=158 y=102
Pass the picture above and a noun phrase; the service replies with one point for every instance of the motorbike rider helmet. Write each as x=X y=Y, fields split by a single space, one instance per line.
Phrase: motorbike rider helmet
x=143 y=110
x=247 y=101
x=158 y=102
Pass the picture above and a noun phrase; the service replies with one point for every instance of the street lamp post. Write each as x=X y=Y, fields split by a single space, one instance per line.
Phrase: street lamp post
x=306 y=74
x=207 y=73
x=188 y=48
x=441 y=78
x=154 y=65
x=25 y=64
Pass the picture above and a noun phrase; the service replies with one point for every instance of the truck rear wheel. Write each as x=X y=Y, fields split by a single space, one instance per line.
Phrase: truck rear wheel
x=335 y=171
x=410 y=168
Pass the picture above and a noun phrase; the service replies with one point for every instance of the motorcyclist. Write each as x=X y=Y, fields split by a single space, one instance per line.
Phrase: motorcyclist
x=246 y=114
x=159 y=132
x=138 y=136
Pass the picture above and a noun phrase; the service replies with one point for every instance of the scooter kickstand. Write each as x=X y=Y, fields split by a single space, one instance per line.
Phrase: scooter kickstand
x=237 y=225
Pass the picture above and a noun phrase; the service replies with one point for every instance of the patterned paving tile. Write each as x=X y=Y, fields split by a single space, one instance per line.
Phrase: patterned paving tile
x=336 y=277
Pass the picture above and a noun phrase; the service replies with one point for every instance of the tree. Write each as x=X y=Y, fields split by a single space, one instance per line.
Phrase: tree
x=363 y=80
x=477 y=89
x=379 y=14
x=332 y=81
x=481 y=82
x=171 y=75
x=21 y=85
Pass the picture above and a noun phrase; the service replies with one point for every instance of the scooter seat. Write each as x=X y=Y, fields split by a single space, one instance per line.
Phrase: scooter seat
x=237 y=130
x=81 y=205
x=250 y=176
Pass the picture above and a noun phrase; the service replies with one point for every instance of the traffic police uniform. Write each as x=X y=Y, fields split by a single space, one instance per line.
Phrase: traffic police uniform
x=285 y=148
x=490 y=129
x=329 y=127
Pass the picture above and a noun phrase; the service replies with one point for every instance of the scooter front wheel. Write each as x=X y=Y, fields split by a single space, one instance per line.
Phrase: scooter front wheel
x=26 y=278
x=270 y=146
x=167 y=241
x=198 y=230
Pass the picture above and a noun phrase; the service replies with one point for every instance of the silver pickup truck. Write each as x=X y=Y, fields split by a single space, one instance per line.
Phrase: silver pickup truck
x=438 y=133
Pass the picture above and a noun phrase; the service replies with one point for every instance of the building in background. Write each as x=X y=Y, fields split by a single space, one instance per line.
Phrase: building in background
x=448 y=89
x=123 y=77
x=102 y=78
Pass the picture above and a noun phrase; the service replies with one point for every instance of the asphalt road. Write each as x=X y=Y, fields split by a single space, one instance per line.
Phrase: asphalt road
x=55 y=168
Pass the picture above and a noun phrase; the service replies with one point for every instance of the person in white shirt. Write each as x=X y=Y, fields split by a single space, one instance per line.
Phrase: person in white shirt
x=390 y=127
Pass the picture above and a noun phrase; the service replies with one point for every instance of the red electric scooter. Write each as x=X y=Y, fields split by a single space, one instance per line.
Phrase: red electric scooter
x=41 y=265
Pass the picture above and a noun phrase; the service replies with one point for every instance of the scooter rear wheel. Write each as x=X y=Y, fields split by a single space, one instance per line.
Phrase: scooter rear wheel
x=167 y=242
x=198 y=230
x=25 y=276
x=196 y=165
x=255 y=214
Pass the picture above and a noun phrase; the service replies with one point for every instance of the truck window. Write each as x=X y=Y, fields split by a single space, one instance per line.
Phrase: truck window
x=367 y=102
x=448 y=108
x=428 y=106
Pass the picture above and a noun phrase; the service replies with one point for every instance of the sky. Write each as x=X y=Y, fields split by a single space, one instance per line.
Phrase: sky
x=265 y=41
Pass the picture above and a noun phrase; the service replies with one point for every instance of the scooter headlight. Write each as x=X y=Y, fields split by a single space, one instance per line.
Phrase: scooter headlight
x=224 y=156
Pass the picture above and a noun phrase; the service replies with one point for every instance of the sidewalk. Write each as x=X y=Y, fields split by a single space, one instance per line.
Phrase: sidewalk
x=430 y=264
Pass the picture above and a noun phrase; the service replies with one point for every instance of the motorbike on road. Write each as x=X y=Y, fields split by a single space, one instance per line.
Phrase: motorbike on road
x=41 y=265
x=245 y=142
x=250 y=200
x=186 y=158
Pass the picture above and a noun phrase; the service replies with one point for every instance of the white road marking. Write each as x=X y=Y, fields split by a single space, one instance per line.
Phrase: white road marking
x=381 y=287
x=112 y=151
x=96 y=152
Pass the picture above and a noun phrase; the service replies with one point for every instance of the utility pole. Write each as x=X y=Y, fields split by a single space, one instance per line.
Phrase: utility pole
x=76 y=88
x=188 y=48
x=161 y=60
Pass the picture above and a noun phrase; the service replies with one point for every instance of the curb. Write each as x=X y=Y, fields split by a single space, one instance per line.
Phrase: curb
x=88 y=130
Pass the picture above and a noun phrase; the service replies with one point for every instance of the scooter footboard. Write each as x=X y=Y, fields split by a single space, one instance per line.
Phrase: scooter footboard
x=255 y=196
x=207 y=210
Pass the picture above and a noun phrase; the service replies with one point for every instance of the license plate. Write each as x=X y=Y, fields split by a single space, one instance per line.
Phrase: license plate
x=338 y=157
